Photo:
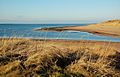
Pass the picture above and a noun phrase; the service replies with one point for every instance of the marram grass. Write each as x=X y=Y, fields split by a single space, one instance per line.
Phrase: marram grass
x=39 y=58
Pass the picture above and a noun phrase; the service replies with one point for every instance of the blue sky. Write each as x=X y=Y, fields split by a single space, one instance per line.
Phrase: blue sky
x=58 y=11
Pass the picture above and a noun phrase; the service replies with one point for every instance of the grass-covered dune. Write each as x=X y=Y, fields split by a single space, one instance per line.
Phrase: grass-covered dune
x=58 y=58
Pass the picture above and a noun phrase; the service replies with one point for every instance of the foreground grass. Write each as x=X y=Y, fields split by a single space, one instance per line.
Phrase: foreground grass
x=35 y=58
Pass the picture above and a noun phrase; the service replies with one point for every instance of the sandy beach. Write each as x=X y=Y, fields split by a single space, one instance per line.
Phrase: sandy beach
x=109 y=28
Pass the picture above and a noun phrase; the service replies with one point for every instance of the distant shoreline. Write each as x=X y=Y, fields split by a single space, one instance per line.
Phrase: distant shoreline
x=109 y=28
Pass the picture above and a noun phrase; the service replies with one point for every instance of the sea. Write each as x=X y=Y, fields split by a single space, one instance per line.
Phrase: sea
x=28 y=31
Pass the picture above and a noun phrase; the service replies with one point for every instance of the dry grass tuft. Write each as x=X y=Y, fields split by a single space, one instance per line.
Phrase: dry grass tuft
x=26 y=58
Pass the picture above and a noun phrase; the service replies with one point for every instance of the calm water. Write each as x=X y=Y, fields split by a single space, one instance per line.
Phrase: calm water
x=27 y=31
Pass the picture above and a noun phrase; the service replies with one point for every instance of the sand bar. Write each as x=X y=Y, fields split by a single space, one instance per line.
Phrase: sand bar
x=109 y=28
